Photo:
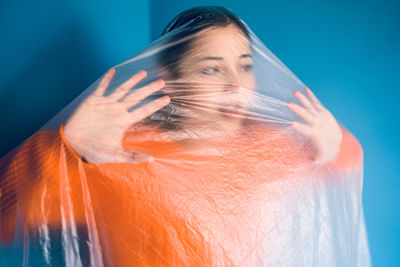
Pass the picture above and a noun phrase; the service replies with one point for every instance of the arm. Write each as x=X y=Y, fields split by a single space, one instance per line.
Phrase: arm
x=93 y=132
x=24 y=169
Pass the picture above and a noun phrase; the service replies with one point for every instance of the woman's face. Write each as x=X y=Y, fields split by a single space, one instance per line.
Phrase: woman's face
x=218 y=77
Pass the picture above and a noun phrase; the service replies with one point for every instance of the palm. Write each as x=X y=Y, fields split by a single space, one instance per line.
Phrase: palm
x=320 y=126
x=96 y=128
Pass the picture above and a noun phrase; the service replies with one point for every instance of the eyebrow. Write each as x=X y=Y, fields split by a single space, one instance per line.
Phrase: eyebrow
x=245 y=55
x=220 y=58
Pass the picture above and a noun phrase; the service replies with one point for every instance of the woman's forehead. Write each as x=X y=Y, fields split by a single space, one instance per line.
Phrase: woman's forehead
x=221 y=42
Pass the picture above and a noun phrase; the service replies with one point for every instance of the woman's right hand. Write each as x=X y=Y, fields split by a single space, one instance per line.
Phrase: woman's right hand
x=96 y=128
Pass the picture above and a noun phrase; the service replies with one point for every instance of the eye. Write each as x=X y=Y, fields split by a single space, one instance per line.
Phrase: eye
x=210 y=70
x=247 y=67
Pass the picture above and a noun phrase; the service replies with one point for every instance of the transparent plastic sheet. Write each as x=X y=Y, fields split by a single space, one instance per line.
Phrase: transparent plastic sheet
x=216 y=176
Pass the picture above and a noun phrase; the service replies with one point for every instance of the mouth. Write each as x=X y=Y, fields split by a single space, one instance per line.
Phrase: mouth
x=233 y=111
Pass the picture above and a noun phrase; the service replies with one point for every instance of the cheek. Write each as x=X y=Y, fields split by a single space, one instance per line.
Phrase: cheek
x=248 y=80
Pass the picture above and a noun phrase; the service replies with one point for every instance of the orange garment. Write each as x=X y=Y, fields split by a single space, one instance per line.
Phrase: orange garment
x=153 y=213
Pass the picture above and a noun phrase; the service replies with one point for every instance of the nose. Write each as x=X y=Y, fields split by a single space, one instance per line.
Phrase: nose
x=233 y=82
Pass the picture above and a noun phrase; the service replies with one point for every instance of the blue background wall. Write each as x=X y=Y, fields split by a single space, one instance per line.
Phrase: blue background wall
x=346 y=51
x=51 y=50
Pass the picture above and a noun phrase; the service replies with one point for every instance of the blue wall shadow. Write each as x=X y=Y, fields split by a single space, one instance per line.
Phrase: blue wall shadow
x=51 y=51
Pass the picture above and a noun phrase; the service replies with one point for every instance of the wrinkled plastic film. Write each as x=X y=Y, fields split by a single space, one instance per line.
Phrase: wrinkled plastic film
x=217 y=177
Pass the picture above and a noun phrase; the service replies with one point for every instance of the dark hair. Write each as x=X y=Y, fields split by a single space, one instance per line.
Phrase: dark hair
x=192 y=21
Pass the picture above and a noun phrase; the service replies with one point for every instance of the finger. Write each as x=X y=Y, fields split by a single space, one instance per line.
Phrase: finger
x=148 y=109
x=304 y=114
x=302 y=128
x=304 y=101
x=124 y=88
x=137 y=96
x=102 y=86
x=314 y=99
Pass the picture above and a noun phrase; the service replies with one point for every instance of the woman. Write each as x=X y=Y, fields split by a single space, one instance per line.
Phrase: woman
x=198 y=177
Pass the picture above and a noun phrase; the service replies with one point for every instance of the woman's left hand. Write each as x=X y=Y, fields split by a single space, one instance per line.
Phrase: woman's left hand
x=322 y=129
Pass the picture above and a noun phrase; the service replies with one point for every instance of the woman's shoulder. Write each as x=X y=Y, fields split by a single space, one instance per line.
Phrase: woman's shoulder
x=273 y=134
x=277 y=143
x=282 y=141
